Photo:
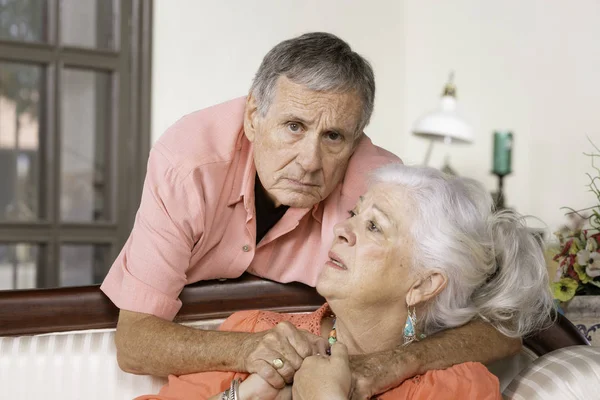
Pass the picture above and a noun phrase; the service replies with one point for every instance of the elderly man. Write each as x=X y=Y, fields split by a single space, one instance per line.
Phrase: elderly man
x=257 y=185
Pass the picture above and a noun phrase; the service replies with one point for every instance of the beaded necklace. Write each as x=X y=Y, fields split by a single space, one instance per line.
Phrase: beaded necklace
x=332 y=339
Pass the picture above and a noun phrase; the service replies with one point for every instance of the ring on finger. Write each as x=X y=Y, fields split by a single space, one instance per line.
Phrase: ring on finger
x=277 y=363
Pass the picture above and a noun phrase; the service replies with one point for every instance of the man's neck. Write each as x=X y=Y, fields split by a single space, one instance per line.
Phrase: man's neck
x=369 y=329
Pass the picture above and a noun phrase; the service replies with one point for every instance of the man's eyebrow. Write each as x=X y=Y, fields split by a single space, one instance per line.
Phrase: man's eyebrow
x=294 y=117
x=341 y=131
x=361 y=198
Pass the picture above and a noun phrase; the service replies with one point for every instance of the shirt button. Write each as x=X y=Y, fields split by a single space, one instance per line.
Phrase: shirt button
x=246 y=248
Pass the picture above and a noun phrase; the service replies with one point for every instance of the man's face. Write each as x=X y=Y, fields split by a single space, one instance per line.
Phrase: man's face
x=303 y=143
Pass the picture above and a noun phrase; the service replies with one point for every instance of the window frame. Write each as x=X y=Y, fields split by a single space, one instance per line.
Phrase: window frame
x=129 y=137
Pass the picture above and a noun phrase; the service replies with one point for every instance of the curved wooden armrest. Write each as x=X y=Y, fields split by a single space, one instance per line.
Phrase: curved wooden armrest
x=561 y=334
x=25 y=312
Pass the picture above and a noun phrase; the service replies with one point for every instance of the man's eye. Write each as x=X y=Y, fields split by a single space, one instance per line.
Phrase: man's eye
x=294 y=127
x=351 y=213
x=373 y=227
x=334 y=136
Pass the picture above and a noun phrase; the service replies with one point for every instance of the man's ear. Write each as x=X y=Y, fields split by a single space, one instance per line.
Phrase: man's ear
x=250 y=117
x=426 y=288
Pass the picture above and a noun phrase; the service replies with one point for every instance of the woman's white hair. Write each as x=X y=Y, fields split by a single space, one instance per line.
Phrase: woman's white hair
x=495 y=267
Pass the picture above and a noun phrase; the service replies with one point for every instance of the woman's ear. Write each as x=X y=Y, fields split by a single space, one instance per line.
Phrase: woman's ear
x=426 y=288
x=250 y=115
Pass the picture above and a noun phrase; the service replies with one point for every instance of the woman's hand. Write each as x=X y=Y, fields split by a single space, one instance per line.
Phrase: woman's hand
x=323 y=377
x=284 y=342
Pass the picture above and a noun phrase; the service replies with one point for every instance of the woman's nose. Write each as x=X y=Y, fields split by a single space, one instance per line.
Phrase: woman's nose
x=343 y=232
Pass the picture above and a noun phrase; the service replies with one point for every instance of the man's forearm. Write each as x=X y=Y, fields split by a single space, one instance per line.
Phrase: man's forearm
x=476 y=341
x=157 y=347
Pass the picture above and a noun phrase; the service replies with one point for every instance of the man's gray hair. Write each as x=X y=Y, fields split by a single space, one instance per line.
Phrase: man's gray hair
x=495 y=267
x=321 y=62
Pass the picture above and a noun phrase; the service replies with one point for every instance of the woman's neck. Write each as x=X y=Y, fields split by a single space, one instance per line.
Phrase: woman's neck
x=367 y=329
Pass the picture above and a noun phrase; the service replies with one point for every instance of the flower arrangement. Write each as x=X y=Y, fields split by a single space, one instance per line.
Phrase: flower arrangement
x=578 y=259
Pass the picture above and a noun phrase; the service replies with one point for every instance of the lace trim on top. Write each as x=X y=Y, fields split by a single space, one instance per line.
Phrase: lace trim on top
x=310 y=322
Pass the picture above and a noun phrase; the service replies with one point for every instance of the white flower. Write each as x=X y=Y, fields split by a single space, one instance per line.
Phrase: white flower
x=583 y=256
x=593 y=265
x=591 y=245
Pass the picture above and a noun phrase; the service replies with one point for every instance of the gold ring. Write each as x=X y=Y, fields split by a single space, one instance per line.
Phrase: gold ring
x=277 y=363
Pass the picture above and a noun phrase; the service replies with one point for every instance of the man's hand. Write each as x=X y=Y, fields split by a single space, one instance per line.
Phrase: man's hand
x=285 y=342
x=378 y=372
x=256 y=388
x=323 y=377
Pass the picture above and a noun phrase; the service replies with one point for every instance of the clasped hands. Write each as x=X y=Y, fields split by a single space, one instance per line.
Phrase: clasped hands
x=285 y=354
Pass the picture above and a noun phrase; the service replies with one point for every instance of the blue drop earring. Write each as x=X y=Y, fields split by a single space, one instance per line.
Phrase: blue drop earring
x=410 y=327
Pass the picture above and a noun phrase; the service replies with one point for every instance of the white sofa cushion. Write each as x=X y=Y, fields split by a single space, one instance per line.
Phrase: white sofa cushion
x=71 y=365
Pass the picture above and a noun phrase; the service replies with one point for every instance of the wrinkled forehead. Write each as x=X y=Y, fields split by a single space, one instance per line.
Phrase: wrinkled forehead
x=342 y=109
x=392 y=198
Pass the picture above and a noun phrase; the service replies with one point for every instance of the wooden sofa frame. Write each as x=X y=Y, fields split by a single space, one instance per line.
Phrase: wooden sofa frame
x=29 y=312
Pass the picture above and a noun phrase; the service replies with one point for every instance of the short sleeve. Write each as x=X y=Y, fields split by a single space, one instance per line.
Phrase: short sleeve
x=150 y=272
x=463 y=381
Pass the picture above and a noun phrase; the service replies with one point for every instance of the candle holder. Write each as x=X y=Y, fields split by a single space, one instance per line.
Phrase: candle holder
x=498 y=195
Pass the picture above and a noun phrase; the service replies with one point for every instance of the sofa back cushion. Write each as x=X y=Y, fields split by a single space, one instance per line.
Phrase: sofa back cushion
x=76 y=365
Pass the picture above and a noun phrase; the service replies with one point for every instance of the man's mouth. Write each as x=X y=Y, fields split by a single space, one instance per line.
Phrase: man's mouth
x=336 y=261
x=300 y=183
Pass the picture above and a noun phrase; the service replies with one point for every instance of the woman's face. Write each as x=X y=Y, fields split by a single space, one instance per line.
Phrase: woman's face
x=371 y=254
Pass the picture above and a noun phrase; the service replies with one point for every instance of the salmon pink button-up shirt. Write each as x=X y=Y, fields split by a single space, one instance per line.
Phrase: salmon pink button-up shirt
x=196 y=219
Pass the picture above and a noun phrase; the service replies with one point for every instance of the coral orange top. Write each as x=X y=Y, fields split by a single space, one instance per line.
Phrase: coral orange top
x=464 y=381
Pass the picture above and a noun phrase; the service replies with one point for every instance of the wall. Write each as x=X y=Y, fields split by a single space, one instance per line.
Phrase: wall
x=528 y=66
x=531 y=67
x=206 y=52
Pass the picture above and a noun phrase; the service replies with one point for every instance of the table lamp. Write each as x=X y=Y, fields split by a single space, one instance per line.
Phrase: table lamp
x=444 y=124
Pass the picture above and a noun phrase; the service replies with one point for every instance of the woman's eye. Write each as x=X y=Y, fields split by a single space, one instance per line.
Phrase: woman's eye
x=373 y=227
x=294 y=127
x=351 y=213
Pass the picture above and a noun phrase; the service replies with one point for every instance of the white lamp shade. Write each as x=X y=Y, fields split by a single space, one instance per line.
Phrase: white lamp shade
x=444 y=123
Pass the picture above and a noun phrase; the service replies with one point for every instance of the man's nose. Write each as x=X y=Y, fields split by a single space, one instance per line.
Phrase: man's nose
x=309 y=155
x=344 y=232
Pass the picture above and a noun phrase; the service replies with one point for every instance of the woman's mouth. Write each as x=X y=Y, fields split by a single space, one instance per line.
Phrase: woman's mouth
x=335 y=261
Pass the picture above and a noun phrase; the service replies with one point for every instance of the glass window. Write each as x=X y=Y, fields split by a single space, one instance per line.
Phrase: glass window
x=83 y=264
x=89 y=23
x=21 y=93
x=86 y=124
x=23 y=20
x=19 y=265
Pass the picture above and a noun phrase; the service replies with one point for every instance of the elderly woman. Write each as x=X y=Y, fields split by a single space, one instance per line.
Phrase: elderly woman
x=421 y=252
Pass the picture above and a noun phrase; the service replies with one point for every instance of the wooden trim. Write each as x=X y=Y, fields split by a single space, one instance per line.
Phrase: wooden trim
x=561 y=334
x=27 y=312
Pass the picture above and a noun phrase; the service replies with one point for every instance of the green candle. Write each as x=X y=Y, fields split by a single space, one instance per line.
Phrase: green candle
x=503 y=144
